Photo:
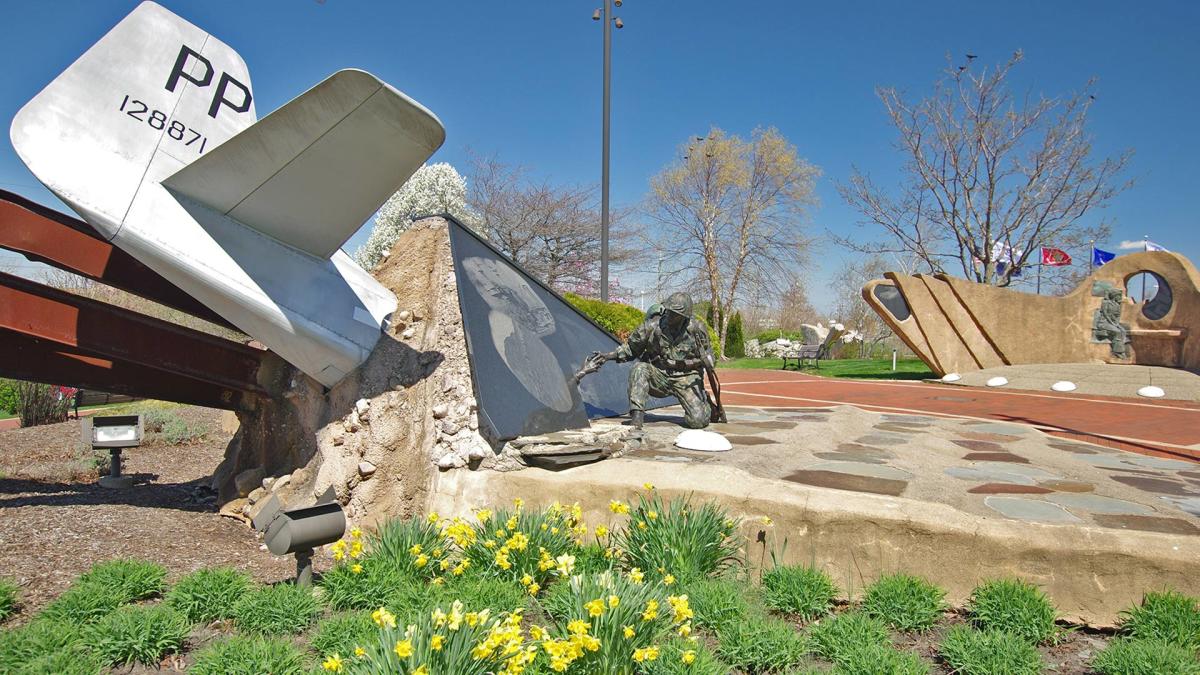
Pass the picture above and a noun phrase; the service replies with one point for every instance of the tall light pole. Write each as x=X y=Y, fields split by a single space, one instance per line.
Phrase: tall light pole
x=609 y=22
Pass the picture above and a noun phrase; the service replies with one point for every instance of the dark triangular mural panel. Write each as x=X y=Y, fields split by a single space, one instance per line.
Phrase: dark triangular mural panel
x=525 y=343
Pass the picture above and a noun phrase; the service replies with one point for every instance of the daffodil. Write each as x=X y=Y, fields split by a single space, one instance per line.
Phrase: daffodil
x=403 y=649
x=688 y=657
x=566 y=564
x=383 y=618
x=648 y=486
x=617 y=506
x=669 y=579
x=629 y=632
x=636 y=575
x=356 y=568
x=601 y=531
x=437 y=642
x=333 y=664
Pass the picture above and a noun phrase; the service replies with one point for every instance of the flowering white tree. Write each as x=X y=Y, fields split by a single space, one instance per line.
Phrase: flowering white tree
x=434 y=188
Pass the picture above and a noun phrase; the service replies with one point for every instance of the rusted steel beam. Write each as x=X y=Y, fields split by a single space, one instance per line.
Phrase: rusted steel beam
x=114 y=333
x=28 y=358
x=47 y=236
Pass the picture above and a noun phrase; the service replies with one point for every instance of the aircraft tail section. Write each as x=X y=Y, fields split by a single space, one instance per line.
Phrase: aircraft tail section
x=150 y=97
x=312 y=172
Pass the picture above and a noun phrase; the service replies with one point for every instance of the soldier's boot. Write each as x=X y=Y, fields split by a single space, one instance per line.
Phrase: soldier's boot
x=637 y=418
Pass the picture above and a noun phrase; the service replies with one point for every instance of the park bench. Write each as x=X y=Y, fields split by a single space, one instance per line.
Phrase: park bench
x=801 y=353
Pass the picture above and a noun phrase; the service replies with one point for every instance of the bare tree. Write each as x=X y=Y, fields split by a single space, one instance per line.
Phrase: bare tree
x=850 y=308
x=729 y=212
x=795 y=309
x=989 y=178
x=553 y=231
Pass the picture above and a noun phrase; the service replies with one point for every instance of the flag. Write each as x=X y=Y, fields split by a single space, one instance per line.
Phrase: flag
x=1002 y=266
x=1054 y=257
x=1099 y=256
x=1151 y=246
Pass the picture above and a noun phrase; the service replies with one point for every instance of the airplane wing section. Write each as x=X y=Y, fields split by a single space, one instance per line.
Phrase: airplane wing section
x=311 y=173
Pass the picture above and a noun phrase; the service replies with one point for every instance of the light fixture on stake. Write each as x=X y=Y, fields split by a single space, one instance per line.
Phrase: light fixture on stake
x=300 y=530
x=114 y=432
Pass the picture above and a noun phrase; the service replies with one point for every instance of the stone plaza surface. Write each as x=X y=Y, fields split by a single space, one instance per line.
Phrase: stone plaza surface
x=1097 y=379
x=863 y=493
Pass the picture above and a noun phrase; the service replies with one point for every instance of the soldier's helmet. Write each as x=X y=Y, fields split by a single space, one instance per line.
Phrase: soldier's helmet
x=679 y=303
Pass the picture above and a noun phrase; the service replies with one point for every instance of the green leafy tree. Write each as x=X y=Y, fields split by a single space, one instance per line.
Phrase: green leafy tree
x=735 y=339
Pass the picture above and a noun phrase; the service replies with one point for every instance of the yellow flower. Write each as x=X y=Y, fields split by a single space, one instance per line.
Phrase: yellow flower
x=437 y=581
x=766 y=520
x=536 y=633
x=629 y=632
x=613 y=601
x=533 y=589
x=648 y=486
x=482 y=515
x=356 y=568
x=651 y=610
x=645 y=654
x=460 y=568
x=423 y=670
x=518 y=503
x=356 y=549
x=360 y=652
x=421 y=561
x=437 y=552
x=384 y=618
x=434 y=517
x=566 y=564
x=641 y=524
x=355 y=532
x=601 y=531
x=652 y=515
x=617 y=506
x=636 y=575
x=333 y=664
x=526 y=579
x=688 y=657
x=685 y=630
x=595 y=607
x=669 y=579
x=404 y=649
x=415 y=550
x=436 y=642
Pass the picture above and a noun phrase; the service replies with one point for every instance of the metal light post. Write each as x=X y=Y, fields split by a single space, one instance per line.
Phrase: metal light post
x=609 y=22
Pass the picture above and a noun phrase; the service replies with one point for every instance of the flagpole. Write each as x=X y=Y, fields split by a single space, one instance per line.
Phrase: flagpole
x=1146 y=247
x=1039 y=284
x=1092 y=257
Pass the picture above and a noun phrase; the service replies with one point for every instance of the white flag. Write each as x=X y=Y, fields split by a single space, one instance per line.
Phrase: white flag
x=1151 y=246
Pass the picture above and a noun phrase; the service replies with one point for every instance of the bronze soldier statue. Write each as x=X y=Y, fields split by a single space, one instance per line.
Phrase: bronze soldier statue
x=673 y=353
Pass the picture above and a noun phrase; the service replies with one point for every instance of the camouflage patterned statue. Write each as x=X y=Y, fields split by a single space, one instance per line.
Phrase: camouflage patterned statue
x=1107 y=326
x=673 y=353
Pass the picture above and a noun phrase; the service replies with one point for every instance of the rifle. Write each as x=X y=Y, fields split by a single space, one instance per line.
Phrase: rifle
x=718 y=411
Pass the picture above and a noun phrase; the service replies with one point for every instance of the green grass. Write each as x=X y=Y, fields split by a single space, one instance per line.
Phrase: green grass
x=1015 y=607
x=905 y=602
x=209 y=594
x=82 y=604
x=243 y=655
x=972 y=652
x=370 y=588
x=131 y=579
x=837 y=638
x=141 y=634
x=718 y=602
x=761 y=645
x=1145 y=657
x=401 y=541
x=478 y=593
x=276 y=610
x=9 y=595
x=72 y=659
x=799 y=589
x=341 y=633
x=1168 y=616
x=679 y=537
x=879 y=660
x=871 y=369
x=20 y=646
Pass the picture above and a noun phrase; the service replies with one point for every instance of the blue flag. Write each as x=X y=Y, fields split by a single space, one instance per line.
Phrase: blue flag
x=1099 y=257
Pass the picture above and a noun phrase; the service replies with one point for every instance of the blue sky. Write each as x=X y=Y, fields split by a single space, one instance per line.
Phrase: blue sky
x=522 y=80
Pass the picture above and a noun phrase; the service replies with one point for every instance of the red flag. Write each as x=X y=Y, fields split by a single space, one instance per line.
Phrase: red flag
x=1055 y=257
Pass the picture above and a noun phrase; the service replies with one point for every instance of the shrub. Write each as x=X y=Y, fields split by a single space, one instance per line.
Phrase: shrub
x=735 y=339
x=678 y=538
x=684 y=657
x=456 y=641
x=760 y=645
x=612 y=617
x=276 y=610
x=1145 y=657
x=1013 y=606
x=20 y=646
x=131 y=579
x=531 y=546
x=837 y=637
x=39 y=404
x=82 y=604
x=179 y=431
x=718 y=602
x=879 y=660
x=72 y=659
x=1168 y=616
x=9 y=397
x=209 y=594
x=594 y=559
x=141 y=634
x=401 y=542
x=497 y=595
x=242 y=655
x=799 y=589
x=905 y=602
x=9 y=594
x=972 y=652
x=341 y=633
x=614 y=317
x=369 y=587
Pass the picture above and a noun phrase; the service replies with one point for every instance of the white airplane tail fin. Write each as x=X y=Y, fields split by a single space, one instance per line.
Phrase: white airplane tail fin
x=310 y=173
x=150 y=97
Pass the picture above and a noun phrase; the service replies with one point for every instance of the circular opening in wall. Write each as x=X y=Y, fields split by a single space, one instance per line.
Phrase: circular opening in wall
x=1152 y=292
x=889 y=296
